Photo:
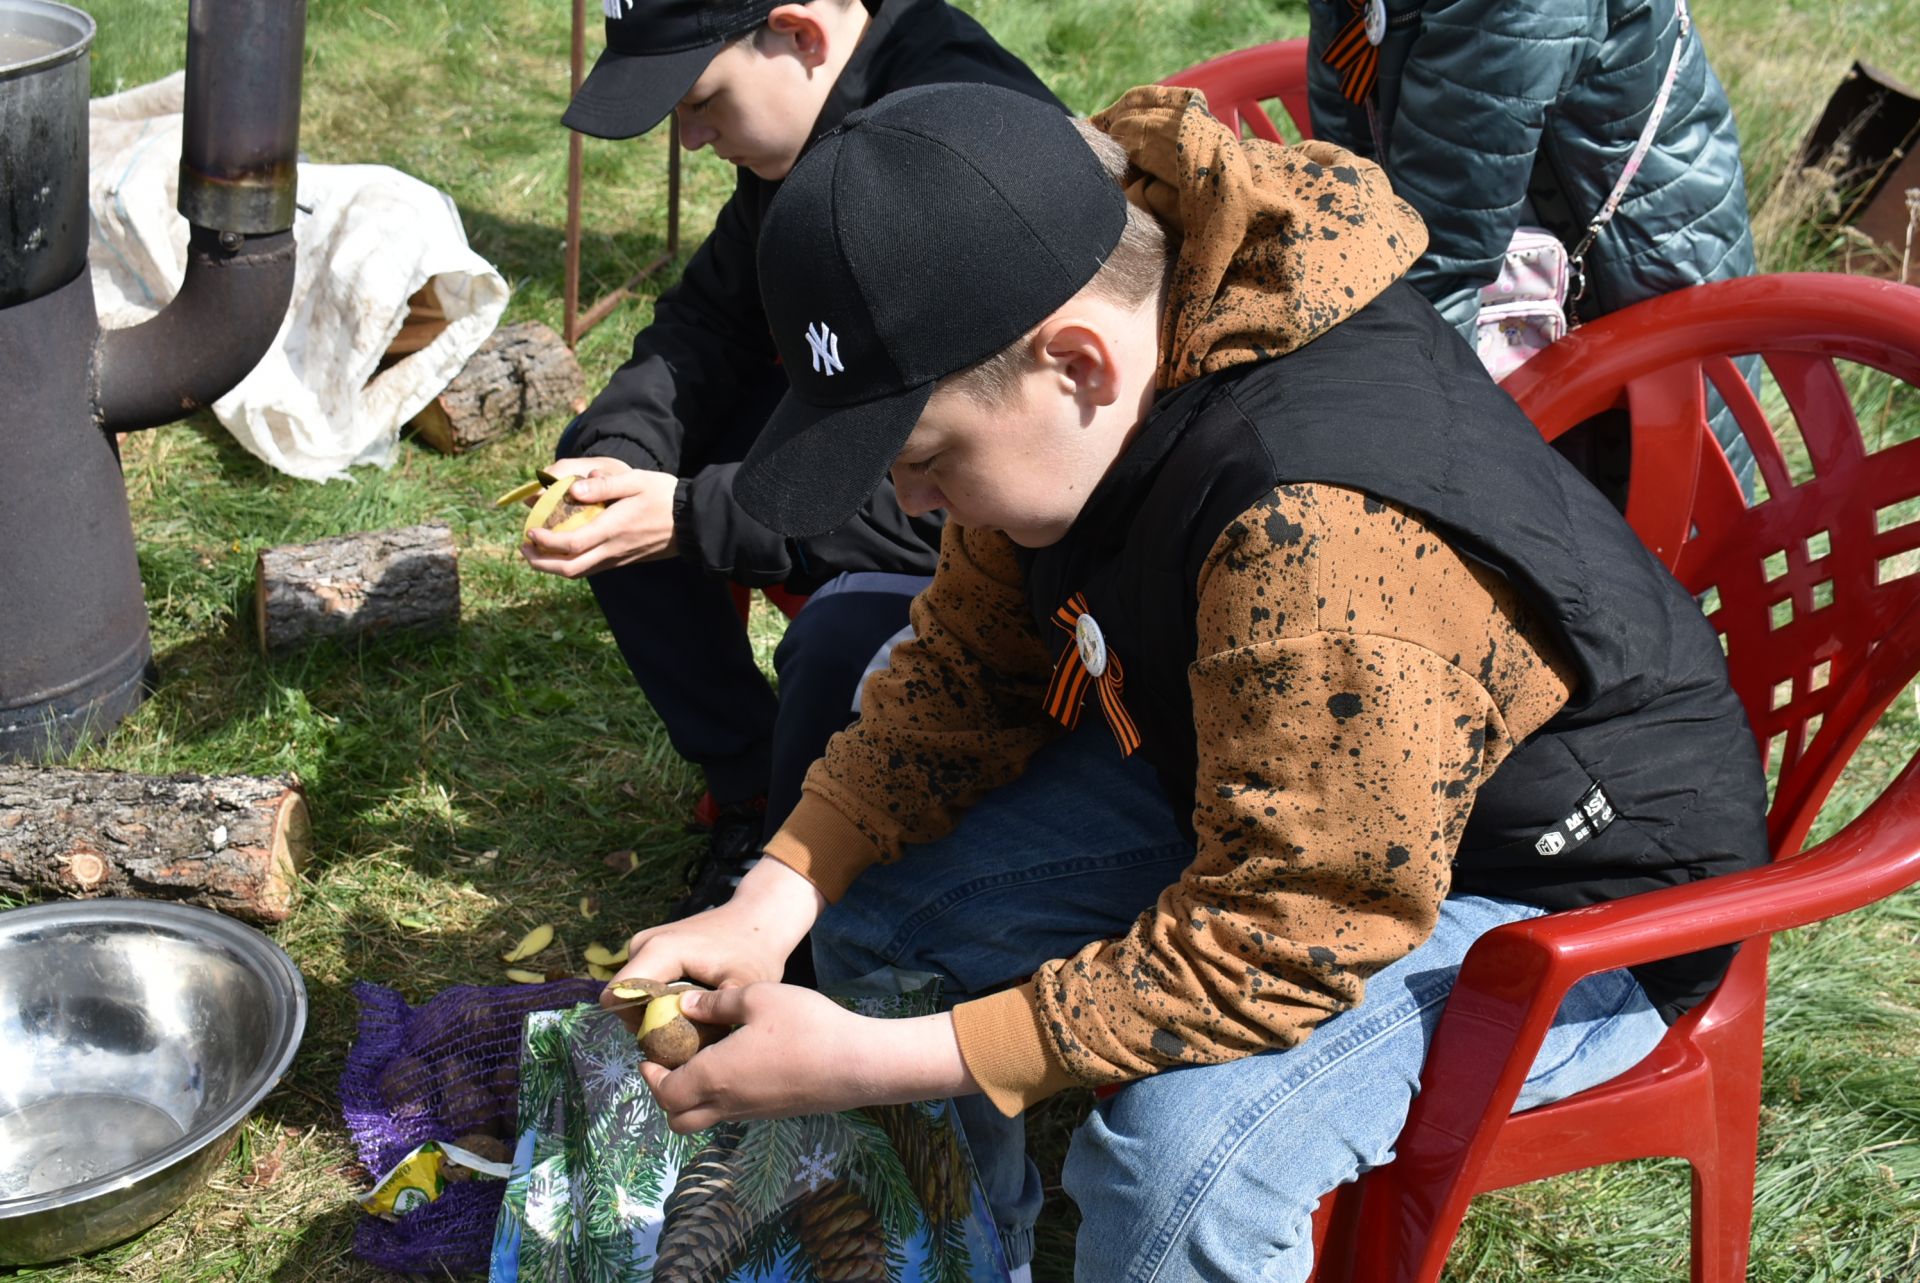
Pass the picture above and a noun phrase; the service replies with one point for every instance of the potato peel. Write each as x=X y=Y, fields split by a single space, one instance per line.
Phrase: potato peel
x=531 y=943
x=637 y=989
x=604 y=957
x=519 y=494
x=523 y=977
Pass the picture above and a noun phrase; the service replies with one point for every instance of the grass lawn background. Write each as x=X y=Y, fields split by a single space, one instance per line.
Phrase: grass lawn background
x=466 y=788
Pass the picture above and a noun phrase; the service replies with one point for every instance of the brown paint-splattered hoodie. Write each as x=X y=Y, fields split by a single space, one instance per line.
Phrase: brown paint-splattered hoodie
x=1322 y=842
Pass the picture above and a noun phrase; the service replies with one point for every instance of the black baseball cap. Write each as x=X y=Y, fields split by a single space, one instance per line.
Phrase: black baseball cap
x=655 y=50
x=926 y=233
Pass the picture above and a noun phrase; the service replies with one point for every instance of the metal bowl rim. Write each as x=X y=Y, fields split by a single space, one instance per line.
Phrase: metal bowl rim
x=65 y=53
x=291 y=1024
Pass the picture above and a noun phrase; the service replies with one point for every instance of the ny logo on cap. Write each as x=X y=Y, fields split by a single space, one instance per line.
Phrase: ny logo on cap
x=825 y=345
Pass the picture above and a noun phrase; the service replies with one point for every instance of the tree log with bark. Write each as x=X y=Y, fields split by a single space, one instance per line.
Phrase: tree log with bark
x=521 y=373
x=235 y=843
x=361 y=583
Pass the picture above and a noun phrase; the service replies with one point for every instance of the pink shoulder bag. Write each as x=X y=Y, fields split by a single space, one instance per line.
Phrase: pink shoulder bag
x=1526 y=306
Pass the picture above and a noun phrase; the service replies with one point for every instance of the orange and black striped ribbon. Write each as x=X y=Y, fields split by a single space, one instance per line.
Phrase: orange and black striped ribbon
x=1355 y=57
x=1067 y=692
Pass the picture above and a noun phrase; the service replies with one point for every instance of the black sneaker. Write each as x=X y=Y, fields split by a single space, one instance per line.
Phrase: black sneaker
x=733 y=847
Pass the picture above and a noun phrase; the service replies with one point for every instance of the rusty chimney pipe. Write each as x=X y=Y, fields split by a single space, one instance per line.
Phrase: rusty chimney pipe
x=237 y=163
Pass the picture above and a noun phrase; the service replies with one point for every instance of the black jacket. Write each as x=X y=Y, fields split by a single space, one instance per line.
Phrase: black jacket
x=1648 y=777
x=704 y=376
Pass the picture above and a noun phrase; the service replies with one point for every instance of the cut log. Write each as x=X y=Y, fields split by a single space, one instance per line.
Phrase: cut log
x=520 y=374
x=361 y=583
x=235 y=843
x=426 y=320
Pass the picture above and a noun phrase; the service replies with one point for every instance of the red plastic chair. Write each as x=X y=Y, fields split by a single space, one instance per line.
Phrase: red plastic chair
x=1820 y=610
x=1236 y=84
x=787 y=603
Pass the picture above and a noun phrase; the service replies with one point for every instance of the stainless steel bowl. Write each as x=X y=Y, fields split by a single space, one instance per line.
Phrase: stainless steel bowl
x=135 y=1037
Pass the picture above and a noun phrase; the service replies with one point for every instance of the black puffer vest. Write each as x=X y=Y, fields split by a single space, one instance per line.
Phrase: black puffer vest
x=1647 y=778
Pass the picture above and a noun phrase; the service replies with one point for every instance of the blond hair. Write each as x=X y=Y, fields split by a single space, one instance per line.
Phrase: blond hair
x=1134 y=274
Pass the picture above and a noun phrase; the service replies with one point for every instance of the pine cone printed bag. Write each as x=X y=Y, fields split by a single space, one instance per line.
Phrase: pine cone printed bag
x=603 y=1192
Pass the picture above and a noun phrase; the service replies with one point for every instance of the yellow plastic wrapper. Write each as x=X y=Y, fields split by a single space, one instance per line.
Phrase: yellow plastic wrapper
x=421 y=1177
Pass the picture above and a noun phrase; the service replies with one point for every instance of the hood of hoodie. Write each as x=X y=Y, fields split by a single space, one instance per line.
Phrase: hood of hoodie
x=1276 y=244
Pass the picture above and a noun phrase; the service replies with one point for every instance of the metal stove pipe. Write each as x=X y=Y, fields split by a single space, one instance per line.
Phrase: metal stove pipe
x=237 y=163
x=74 y=650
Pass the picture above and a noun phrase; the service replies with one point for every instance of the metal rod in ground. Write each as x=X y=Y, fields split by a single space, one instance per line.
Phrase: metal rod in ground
x=570 y=294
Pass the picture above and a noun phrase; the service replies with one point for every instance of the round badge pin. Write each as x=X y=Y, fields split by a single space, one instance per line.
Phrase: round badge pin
x=1376 y=21
x=1093 y=646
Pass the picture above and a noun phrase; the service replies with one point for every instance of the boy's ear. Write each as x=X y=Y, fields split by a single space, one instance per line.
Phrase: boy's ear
x=802 y=29
x=1081 y=355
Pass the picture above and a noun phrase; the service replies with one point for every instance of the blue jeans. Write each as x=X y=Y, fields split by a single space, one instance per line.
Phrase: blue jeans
x=1203 y=1173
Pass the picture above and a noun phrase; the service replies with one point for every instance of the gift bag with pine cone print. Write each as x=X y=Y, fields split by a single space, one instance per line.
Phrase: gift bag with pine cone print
x=603 y=1192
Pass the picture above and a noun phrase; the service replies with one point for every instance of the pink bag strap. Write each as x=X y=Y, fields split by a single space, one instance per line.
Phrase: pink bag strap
x=1577 y=260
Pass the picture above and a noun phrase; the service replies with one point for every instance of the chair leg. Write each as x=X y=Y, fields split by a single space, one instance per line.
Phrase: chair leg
x=1722 y=1223
x=1723 y=1190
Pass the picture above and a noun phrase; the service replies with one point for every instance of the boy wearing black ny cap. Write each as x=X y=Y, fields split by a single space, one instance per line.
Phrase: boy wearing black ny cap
x=1271 y=659
x=756 y=80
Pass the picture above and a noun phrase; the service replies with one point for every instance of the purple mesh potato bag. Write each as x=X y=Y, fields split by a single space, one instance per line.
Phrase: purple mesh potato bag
x=447 y=1069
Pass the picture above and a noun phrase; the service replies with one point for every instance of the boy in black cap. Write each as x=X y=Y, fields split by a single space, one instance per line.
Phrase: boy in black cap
x=755 y=80
x=1271 y=659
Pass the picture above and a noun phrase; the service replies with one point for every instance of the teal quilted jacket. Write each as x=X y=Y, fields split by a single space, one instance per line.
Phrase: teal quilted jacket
x=1497 y=113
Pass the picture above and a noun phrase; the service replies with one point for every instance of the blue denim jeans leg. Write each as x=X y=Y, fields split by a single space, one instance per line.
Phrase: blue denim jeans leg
x=1212 y=1173
x=1205 y=1173
x=1081 y=842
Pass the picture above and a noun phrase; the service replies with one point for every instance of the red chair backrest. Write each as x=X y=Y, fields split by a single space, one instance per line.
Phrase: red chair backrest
x=1237 y=84
x=1813 y=587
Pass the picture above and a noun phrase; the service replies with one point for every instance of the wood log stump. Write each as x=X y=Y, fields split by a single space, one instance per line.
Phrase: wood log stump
x=521 y=373
x=235 y=843
x=360 y=583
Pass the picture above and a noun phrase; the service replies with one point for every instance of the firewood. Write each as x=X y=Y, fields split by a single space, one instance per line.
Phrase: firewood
x=230 y=842
x=521 y=373
x=361 y=583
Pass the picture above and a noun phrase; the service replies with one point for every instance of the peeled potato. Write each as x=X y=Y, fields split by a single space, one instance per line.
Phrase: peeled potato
x=669 y=1039
x=557 y=511
x=666 y=1037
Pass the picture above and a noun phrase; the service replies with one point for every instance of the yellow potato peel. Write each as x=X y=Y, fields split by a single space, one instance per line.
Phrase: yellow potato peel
x=521 y=977
x=519 y=494
x=531 y=943
x=637 y=989
x=604 y=957
x=659 y=1013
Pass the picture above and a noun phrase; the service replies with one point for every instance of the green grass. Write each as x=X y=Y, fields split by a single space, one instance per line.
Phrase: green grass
x=465 y=788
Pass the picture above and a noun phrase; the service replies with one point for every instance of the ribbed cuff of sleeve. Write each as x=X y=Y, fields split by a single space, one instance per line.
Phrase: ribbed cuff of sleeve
x=823 y=846
x=1005 y=1051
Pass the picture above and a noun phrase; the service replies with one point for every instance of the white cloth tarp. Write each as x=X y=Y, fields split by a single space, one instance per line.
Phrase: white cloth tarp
x=368 y=237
